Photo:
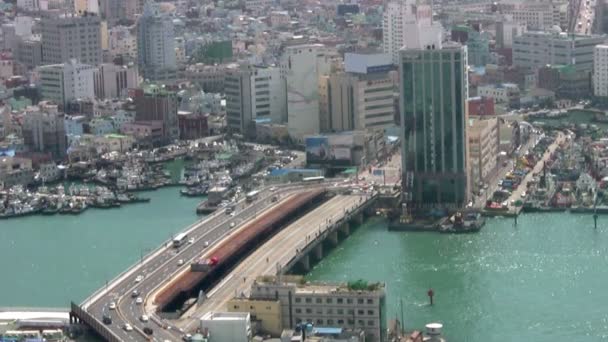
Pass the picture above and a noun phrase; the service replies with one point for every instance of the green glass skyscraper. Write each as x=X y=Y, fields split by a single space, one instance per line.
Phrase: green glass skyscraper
x=433 y=95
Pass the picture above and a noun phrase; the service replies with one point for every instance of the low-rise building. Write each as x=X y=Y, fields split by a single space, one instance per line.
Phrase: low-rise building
x=265 y=314
x=15 y=171
x=227 y=326
x=192 y=125
x=356 y=305
x=507 y=93
x=481 y=106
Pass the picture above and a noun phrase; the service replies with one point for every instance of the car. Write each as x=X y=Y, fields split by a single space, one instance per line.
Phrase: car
x=139 y=278
x=128 y=327
x=107 y=319
x=523 y=194
x=180 y=262
x=144 y=318
x=112 y=306
x=191 y=240
x=273 y=189
x=135 y=293
x=232 y=224
x=186 y=338
x=139 y=300
x=148 y=331
x=206 y=243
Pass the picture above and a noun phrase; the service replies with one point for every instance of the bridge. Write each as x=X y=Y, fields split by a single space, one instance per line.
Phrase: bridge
x=160 y=279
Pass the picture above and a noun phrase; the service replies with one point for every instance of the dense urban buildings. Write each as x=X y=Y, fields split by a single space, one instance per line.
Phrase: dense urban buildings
x=600 y=71
x=66 y=82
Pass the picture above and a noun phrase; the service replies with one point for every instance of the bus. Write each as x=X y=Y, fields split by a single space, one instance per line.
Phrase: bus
x=180 y=239
x=252 y=196
x=319 y=179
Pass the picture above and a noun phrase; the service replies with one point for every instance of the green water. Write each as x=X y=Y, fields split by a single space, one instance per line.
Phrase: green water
x=50 y=260
x=544 y=280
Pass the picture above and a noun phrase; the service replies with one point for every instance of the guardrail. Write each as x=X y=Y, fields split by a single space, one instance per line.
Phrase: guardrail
x=96 y=325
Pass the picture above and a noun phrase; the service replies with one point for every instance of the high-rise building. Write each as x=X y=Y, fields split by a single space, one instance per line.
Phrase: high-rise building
x=533 y=50
x=433 y=96
x=408 y=24
x=302 y=66
x=44 y=131
x=156 y=45
x=253 y=93
x=506 y=30
x=71 y=37
x=363 y=96
x=66 y=82
x=600 y=71
x=158 y=104
x=112 y=81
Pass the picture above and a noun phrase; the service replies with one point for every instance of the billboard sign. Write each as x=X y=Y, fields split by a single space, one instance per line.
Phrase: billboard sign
x=328 y=150
x=317 y=149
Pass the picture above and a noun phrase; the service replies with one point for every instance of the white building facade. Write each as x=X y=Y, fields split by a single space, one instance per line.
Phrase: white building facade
x=156 y=44
x=407 y=24
x=65 y=82
x=600 y=71
x=302 y=66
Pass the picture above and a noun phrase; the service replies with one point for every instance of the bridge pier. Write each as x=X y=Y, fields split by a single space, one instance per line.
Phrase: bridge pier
x=305 y=262
x=318 y=252
x=333 y=238
x=345 y=228
x=357 y=218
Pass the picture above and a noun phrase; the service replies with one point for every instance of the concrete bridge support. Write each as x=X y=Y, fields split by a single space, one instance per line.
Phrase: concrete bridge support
x=318 y=252
x=333 y=238
x=345 y=228
x=305 y=262
x=357 y=219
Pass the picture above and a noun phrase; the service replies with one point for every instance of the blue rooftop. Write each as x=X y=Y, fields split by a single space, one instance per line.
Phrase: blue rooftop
x=327 y=331
x=280 y=172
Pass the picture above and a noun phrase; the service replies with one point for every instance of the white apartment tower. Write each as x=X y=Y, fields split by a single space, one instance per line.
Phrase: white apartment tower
x=71 y=37
x=600 y=71
x=155 y=44
x=302 y=67
x=253 y=93
x=65 y=82
x=408 y=24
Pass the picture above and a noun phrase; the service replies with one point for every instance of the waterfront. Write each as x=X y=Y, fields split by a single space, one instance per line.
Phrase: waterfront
x=543 y=280
x=48 y=261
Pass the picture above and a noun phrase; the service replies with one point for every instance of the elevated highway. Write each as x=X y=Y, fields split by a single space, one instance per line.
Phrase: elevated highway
x=161 y=269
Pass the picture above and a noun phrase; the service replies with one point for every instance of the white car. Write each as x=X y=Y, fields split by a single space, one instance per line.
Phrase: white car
x=112 y=306
x=144 y=318
x=206 y=243
x=128 y=327
x=180 y=262
x=139 y=278
x=138 y=301
x=232 y=225
x=191 y=240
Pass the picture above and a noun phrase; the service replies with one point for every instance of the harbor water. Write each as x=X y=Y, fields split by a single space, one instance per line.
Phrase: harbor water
x=50 y=260
x=542 y=280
